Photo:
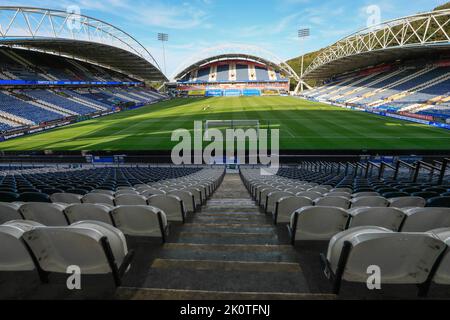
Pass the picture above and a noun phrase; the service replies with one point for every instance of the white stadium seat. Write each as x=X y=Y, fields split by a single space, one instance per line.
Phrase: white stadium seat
x=389 y=218
x=370 y=202
x=310 y=194
x=407 y=202
x=9 y=211
x=272 y=199
x=14 y=255
x=172 y=207
x=152 y=192
x=68 y=198
x=404 y=258
x=187 y=198
x=96 y=248
x=426 y=219
x=287 y=206
x=47 y=214
x=98 y=198
x=130 y=199
x=141 y=221
x=442 y=275
x=317 y=223
x=332 y=201
x=89 y=212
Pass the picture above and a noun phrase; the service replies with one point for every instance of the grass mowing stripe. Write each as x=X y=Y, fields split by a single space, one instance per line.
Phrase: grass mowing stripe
x=303 y=125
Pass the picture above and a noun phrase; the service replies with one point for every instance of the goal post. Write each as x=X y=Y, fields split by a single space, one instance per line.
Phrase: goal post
x=232 y=124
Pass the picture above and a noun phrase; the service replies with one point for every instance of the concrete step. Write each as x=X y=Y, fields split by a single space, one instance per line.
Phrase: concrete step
x=223 y=277
x=197 y=295
x=226 y=238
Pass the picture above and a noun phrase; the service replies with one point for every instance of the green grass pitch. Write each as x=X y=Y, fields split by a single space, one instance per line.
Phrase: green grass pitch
x=303 y=125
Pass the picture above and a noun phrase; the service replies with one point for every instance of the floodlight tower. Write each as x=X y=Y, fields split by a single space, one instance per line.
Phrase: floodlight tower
x=302 y=35
x=164 y=37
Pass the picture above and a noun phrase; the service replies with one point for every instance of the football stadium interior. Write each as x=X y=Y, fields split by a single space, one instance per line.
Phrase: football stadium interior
x=87 y=184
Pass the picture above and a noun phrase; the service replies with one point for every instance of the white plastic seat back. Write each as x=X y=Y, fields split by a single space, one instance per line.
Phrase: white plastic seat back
x=370 y=202
x=106 y=192
x=365 y=194
x=130 y=200
x=287 y=206
x=98 y=198
x=116 y=238
x=119 y=189
x=57 y=248
x=426 y=219
x=389 y=218
x=9 y=211
x=337 y=242
x=14 y=255
x=152 y=192
x=339 y=202
x=310 y=194
x=47 y=214
x=187 y=198
x=89 y=211
x=69 y=198
x=139 y=221
x=404 y=258
x=408 y=202
x=273 y=198
x=295 y=190
x=320 y=190
x=126 y=192
x=264 y=193
x=339 y=194
x=172 y=206
x=197 y=195
x=319 y=223
x=348 y=190
x=442 y=275
x=141 y=185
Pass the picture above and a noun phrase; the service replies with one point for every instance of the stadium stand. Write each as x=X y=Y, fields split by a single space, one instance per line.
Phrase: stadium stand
x=232 y=75
x=30 y=97
x=412 y=87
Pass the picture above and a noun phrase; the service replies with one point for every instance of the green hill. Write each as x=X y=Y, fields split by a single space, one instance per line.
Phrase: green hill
x=442 y=7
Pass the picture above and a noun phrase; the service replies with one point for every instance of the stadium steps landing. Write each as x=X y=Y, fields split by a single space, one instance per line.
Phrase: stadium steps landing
x=228 y=251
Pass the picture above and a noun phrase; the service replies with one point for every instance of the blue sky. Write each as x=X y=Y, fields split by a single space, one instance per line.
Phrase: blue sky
x=195 y=25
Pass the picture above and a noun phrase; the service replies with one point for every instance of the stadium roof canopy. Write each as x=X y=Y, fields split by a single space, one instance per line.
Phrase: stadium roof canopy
x=79 y=37
x=401 y=38
x=234 y=52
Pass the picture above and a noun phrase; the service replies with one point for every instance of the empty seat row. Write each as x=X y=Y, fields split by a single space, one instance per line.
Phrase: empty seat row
x=409 y=258
x=133 y=220
x=95 y=247
x=322 y=223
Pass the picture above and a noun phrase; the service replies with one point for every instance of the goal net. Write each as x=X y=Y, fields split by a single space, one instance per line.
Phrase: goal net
x=232 y=124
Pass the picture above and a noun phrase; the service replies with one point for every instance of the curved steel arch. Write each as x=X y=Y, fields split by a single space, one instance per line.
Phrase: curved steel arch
x=416 y=31
x=37 y=24
x=237 y=50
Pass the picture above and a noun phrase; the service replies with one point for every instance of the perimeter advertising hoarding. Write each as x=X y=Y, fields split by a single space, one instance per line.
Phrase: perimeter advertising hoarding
x=64 y=83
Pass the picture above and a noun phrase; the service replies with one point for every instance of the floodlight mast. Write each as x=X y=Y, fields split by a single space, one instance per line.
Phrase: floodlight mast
x=164 y=37
x=302 y=35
